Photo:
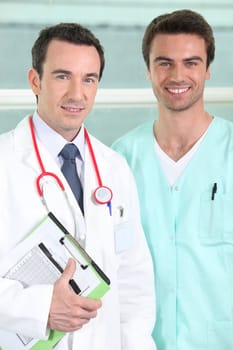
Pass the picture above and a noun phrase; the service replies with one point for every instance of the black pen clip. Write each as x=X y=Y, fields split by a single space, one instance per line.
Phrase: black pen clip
x=214 y=191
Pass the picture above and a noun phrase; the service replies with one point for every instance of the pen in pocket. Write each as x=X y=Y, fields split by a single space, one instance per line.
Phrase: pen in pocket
x=214 y=191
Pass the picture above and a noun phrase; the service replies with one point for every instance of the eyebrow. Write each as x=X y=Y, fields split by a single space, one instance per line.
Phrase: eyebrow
x=64 y=71
x=59 y=71
x=164 y=58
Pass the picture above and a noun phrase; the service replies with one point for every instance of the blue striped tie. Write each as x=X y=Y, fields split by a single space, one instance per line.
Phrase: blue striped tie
x=69 y=153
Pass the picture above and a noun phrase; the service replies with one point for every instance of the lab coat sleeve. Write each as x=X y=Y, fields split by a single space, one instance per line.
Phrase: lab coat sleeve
x=136 y=280
x=24 y=310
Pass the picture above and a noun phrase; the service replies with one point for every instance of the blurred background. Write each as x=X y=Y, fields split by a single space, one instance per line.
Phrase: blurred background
x=125 y=97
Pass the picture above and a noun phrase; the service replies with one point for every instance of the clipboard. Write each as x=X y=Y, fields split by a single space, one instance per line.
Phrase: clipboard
x=41 y=258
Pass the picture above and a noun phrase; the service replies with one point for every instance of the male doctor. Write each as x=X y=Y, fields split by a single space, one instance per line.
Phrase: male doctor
x=68 y=62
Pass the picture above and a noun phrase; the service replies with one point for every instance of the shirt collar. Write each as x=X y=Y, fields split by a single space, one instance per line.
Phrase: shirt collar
x=53 y=141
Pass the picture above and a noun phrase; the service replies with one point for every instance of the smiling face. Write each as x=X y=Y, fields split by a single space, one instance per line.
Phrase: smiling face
x=68 y=86
x=177 y=70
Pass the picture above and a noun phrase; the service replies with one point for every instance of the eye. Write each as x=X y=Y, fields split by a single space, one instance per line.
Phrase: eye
x=191 y=63
x=62 y=76
x=89 y=80
x=165 y=64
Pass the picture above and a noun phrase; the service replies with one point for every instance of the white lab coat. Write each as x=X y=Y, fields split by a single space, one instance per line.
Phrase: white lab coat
x=116 y=243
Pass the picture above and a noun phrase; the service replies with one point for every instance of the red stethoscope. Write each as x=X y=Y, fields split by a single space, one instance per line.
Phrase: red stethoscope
x=102 y=194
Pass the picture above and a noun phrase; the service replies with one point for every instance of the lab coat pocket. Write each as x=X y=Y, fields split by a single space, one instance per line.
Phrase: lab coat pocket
x=216 y=219
x=123 y=237
x=220 y=336
x=122 y=231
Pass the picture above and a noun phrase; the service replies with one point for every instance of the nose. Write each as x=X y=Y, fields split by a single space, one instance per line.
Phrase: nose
x=178 y=73
x=75 y=91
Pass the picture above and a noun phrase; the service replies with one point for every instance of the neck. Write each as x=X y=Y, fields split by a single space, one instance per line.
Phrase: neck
x=176 y=133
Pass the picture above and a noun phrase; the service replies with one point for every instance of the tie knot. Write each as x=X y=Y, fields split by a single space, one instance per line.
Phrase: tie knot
x=69 y=151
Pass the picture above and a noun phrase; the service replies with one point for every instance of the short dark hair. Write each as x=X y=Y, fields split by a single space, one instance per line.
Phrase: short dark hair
x=69 y=32
x=178 y=22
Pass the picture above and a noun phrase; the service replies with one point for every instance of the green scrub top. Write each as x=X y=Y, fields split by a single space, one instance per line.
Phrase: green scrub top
x=189 y=229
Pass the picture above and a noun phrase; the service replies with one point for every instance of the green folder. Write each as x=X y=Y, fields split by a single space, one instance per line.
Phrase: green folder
x=50 y=228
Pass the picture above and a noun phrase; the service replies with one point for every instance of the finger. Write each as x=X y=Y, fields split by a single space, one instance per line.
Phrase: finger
x=69 y=270
x=88 y=305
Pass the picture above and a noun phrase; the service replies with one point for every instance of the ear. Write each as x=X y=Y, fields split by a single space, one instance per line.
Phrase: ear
x=207 y=77
x=148 y=75
x=34 y=81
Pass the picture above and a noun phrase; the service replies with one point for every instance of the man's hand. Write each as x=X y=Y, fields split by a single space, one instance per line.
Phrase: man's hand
x=69 y=311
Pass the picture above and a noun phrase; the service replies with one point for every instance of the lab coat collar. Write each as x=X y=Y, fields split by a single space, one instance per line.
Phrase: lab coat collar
x=26 y=152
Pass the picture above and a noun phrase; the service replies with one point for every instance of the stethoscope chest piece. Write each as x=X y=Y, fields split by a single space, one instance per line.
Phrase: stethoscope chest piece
x=103 y=195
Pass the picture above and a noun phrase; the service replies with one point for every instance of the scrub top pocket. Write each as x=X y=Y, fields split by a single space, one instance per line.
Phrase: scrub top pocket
x=216 y=218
